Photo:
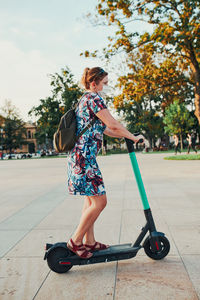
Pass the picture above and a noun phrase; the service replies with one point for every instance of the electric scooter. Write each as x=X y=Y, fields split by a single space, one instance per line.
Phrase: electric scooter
x=156 y=246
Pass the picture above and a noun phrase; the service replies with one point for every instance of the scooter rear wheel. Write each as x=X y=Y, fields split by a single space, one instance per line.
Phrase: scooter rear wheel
x=165 y=247
x=54 y=257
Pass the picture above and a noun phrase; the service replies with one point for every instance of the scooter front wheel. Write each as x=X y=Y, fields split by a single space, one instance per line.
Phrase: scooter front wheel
x=54 y=257
x=165 y=247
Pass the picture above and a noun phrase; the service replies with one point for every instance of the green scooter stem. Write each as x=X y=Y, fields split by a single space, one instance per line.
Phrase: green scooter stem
x=137 y=173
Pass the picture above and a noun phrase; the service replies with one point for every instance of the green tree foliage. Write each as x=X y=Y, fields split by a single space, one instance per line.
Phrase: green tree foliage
x=148 y=77
x=143 y=116
x=48 y=113
x=172 y=50
x=65 y=94
x=178 y=120
x=65 y=90
x=13 y=128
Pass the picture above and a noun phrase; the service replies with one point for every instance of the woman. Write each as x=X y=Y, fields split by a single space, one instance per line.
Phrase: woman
x=84 y=176
x=191 y=143
x=176 y=143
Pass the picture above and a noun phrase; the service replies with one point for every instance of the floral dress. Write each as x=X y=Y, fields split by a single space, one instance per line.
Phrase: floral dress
x=84 y=176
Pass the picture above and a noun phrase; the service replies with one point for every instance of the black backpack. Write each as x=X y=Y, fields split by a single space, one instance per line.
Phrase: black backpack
x=64 y=138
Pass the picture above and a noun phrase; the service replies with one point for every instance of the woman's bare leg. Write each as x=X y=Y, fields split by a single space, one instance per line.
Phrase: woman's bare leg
x=89 y=216
x=89 y=235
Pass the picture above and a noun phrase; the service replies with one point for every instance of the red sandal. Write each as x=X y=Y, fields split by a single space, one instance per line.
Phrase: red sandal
x=96 y=247
x=79 y=248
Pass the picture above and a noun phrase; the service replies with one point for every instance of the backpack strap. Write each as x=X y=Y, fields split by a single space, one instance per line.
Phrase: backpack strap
x=90 y=124
x=77 y=104
x=87 y=127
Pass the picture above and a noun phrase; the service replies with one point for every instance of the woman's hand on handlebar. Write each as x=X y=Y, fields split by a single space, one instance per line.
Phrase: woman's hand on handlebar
x=138 y=138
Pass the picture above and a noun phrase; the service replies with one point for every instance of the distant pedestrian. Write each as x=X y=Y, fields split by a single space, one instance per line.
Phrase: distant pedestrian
x=176 y=143
x=105 y=144
x=191 y=142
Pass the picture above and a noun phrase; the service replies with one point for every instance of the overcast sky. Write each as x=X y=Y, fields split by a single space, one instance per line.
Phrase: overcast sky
x=38 y=38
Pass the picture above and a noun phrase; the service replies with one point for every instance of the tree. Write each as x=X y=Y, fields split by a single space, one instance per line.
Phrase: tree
x=149 y=78
x=48 y=113
x=65 y=90
x=175 y=35
x=65 y=93
x=178 y=120
x=13 y=128
x=196 y=127
x=143 y=116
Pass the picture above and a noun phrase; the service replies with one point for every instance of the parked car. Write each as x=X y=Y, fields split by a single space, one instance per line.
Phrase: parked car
x=9 y=156
x=23 y=155
x=36 y=155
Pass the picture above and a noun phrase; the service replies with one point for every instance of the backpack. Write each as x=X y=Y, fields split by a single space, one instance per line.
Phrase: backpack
x=64 y=138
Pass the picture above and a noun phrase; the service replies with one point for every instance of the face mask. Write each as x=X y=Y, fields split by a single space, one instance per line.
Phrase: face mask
x=106 y=89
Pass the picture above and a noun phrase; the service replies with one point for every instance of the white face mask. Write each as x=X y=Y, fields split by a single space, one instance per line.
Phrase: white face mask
x=106 y=89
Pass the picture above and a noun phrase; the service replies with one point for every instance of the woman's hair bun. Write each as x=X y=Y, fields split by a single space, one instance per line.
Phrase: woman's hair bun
x=94 y=74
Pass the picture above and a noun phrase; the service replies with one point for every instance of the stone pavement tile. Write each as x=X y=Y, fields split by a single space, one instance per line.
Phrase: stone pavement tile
x=35 y=211
x=33 y=244
x=20 y=278
x=181 y=216
x=175 y=203
x=187 y=238
x=134 y=220
x=191 y=189
x=132 y=199
x=9 y=238
x=145 y=279
x=192 y=264
x=165 y=189
x=107 y=235
x=110 y=216
x=9 y=209
x=14 y=199
x=67 y=213
x=93 y=282
x=115 y=196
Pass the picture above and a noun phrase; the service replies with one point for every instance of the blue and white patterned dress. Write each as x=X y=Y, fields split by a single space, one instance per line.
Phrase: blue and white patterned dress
x=84 y=176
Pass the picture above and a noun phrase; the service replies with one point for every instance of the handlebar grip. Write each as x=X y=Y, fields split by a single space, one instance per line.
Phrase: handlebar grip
x=130 y=145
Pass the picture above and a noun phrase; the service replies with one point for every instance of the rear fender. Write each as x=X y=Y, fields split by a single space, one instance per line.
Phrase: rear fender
x=50 y=248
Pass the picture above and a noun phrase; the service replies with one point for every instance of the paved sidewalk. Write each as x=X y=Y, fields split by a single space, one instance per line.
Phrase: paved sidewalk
x=36 y=208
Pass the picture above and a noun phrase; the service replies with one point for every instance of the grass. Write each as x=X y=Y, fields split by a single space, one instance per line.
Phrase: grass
x=158 y=152
x=116 y=151
x=184 y=157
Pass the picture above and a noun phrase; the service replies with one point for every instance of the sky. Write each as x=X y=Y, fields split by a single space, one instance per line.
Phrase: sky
x=40 y=37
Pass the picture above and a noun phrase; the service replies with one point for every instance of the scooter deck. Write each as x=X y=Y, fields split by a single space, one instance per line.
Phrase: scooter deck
x=113 y=253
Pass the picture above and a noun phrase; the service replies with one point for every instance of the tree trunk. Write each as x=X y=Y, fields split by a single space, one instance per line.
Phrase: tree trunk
x=150 y=141
x=196 y=73
x=102 y=147
x=181 y=138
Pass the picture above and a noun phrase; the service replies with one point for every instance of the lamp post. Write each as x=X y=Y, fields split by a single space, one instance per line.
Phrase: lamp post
x=1 y=147
x=46 y=141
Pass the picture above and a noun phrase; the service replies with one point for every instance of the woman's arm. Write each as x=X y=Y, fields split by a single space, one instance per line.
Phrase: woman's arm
x=118 y=130
x=111 y=133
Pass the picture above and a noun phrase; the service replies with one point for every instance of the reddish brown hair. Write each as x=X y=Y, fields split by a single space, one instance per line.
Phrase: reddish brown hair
x=94 y=74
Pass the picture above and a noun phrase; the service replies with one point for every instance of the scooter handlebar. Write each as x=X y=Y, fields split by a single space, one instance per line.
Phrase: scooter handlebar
x=130 y=143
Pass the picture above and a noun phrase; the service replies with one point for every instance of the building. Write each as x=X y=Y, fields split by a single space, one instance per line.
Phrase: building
x=31 y=143
x=31 y=146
